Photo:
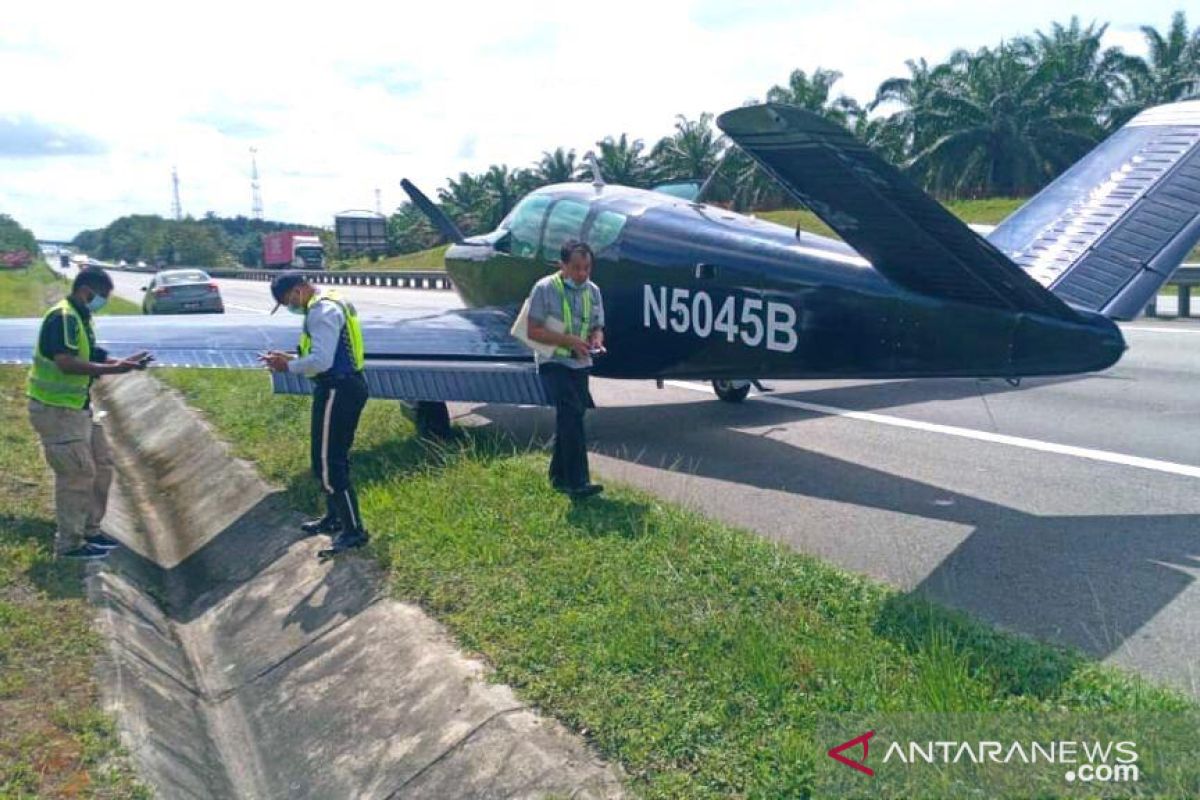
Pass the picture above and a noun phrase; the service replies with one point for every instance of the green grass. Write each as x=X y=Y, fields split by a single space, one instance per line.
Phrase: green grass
x=702 y=658
x=54 y=740
x=433 y=259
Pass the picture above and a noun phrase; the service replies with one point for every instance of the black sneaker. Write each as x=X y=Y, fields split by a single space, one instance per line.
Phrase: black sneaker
x=326 y=524
x=102 y=540
x=587 y=490
x=343 y=543
x=89 y=552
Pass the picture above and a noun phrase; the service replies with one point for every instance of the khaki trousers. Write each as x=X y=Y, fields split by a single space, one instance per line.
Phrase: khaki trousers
x=77 y=450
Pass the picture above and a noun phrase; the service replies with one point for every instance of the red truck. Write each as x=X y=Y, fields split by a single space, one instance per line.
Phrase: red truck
x=293 y=250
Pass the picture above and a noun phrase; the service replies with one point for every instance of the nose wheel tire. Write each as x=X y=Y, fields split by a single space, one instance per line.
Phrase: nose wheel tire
x=731 y=391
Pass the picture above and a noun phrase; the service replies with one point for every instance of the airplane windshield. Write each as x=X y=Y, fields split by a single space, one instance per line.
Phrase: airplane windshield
x=525 y=225
x=605 y=229
x=565 y=222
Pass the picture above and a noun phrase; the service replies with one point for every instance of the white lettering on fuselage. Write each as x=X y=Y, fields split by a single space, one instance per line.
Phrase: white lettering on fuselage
x=749 y=319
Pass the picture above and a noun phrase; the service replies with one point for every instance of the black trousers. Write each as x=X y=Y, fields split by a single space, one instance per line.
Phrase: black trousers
x=337 y=405
x=568 y=390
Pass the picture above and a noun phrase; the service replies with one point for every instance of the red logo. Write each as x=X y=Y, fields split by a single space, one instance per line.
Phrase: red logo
x=861 y=766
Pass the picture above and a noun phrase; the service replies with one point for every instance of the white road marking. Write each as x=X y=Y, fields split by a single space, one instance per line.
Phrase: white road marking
x=1156 y=330
x=1169 y=467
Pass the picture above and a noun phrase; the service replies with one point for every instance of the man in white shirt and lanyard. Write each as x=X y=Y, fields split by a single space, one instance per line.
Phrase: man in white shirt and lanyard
x=566 y=310
x=331 y=356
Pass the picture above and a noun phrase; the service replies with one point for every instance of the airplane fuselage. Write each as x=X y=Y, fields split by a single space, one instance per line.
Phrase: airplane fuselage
x=696 y=291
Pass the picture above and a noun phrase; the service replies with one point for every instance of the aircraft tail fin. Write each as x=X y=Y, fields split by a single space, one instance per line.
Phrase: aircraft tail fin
x=1113 y=228
x=906 y=235
x=443 y=223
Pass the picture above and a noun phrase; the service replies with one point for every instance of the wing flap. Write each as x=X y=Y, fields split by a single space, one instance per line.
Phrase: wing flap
x=512 y=383
x=905 y=234
x=464 y=355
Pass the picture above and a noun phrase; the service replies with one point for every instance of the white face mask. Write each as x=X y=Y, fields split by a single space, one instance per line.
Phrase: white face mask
x=296 y=310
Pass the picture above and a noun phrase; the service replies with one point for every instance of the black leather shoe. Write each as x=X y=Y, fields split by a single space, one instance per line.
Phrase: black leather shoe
x=326 y=524
x=587 y=490
x=343 y=543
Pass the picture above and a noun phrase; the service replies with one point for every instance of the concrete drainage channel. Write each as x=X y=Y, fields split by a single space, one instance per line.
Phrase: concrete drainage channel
x=242 y=667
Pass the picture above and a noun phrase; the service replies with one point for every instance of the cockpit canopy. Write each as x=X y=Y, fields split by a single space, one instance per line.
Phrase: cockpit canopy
x=539 y=225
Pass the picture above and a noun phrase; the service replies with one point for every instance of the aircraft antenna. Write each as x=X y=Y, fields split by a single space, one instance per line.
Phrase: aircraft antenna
x=256 y=204
x=704 y=187
x=593 y=163
x=176 y=206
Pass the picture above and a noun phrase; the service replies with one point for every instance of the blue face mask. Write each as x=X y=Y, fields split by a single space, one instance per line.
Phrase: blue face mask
x=571 y=282
x=96 y=303
x=297 y=310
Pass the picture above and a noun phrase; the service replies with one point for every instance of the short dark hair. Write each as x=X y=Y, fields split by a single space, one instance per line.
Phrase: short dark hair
x=93 y=278
x=572 y=246
x=284 y=283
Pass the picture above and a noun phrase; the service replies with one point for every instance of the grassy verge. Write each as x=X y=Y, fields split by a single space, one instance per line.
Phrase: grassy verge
x=702 y=658
x=54 y=740
x=422 y=260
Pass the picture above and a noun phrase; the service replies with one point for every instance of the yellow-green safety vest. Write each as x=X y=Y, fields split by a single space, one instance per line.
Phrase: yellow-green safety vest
x=47 y=383
x=585 y=323
x=353 y=328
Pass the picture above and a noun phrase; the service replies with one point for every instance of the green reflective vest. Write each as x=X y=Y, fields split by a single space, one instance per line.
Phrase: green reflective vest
x=353 y=329
x=47 y=383
x=568 y=327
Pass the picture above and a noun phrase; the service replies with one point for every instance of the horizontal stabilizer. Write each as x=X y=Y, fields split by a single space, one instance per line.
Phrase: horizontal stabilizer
x=1112 y=229
x=905 y=234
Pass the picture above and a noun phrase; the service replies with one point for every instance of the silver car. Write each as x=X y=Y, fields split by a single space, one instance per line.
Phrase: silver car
x=182 y=291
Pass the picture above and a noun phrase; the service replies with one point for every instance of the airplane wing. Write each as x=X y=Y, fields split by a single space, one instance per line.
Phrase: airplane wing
x=905 y=234
x=463 y=355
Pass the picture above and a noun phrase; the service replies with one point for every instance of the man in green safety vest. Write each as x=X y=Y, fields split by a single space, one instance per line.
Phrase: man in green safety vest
x=331 y=355
x=567 y=311
x=66 y=360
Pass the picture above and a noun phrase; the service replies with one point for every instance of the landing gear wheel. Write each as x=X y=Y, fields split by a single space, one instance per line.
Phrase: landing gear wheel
x=433 y=421
x=731 y=391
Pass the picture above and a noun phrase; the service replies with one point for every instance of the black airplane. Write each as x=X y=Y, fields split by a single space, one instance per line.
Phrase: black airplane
x=698 y=292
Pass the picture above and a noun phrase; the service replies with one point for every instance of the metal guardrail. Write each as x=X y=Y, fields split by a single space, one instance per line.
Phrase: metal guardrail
x=412 y=279
x=415 y=279
x=1187 y=276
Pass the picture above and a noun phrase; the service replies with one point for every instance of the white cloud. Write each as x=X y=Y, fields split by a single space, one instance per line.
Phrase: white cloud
x=343 y=98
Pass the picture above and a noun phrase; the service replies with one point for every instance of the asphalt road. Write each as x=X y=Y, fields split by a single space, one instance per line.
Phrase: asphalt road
x=254 y=297
x=1066 y=509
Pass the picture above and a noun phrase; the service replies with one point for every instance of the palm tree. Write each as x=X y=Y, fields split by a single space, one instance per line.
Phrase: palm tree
x=558 y=166
x=504 y=188
x=691 y=153
x=1000 y=126
x=467 y=202
x=1173 y=71
x=1086 y=77
x=813 y=94
x=622 y=162
x=901 y=133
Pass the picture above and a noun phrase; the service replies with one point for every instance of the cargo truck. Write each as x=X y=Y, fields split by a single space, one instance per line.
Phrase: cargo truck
x=293 y=250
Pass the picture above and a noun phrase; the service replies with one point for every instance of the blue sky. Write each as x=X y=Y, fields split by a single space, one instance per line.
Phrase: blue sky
x=342 y=99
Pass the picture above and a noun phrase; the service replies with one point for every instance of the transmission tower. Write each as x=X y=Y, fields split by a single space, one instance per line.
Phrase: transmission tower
x=256 y=210
x=378 y=203
x=176 y=206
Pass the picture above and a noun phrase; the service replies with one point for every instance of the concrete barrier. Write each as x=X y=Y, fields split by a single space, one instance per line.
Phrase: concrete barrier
x=243 y=667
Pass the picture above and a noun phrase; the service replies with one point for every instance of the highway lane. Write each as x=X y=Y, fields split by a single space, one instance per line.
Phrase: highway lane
x=1095 y=544
x=254 y=297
